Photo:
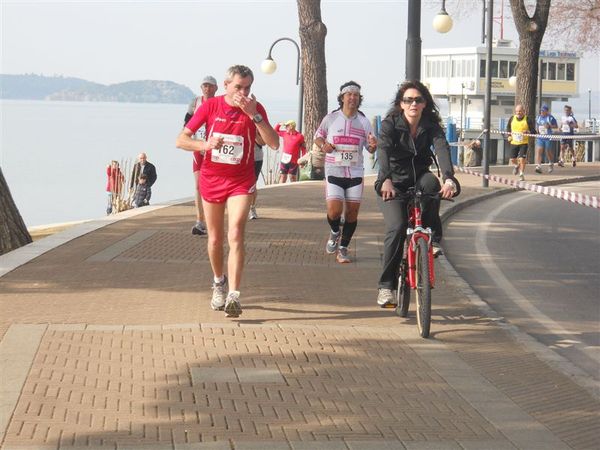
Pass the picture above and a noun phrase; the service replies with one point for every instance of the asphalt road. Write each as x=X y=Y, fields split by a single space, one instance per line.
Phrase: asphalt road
x=536 y=261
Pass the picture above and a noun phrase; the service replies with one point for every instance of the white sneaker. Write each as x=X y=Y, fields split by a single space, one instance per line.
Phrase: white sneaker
x=252 y=214
x=521 y=177
x=332 y=243
x=199 y=229
x=218 y=296
x=437 y=249
x=342 y=255
x=233 y=308
x=386 y=298
x=538 y=169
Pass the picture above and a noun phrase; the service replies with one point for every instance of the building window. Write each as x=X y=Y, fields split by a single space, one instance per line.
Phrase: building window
x=560 y=71
x=552 y=71
x=482 y=68
x=570 y=72
x=544 y=71
x=512 y=69
x=503 y=69
x=494 y=69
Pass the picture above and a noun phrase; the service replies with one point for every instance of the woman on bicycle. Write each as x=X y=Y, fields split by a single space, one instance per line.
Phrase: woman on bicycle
x=409 y=132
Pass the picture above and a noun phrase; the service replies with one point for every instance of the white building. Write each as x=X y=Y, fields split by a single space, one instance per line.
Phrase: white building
x=458 y=76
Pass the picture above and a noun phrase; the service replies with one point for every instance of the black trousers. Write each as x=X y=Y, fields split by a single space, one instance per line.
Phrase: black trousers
x=395 y=216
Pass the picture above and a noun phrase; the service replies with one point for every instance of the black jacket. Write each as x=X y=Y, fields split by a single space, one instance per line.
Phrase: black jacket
x=149 y=171
x=402 y=159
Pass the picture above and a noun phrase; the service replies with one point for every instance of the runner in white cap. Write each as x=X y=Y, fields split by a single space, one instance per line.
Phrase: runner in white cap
x=209 y=88
x=342 y=135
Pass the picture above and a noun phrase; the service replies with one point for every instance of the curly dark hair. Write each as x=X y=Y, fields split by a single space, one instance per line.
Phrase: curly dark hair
x=431 y=110
x=341 y=96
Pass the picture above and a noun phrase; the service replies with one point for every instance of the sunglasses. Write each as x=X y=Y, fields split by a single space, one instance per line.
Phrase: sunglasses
x=410 y=100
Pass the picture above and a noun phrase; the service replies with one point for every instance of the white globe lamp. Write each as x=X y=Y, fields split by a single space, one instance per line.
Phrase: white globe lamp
x=268 y=66
x=442 y=23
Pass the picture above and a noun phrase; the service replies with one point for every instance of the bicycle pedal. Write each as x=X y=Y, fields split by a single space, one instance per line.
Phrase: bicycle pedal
x=389 y=306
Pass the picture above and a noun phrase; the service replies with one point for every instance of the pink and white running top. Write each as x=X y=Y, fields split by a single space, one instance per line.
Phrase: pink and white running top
x=349 y=135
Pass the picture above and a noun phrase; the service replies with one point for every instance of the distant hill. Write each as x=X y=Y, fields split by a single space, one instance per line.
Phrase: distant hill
x=39 y=87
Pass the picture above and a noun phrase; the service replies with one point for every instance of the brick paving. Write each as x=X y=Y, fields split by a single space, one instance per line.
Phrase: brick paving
x=108 y=342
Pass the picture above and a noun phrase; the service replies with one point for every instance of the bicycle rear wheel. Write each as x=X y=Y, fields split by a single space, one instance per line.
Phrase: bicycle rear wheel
x=403 y=291
x=423 y=291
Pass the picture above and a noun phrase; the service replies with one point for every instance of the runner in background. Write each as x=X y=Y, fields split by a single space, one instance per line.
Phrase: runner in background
x=342 y=135
x=293 y=148
x=568 y=125
x=209 y=88
x=517 y=126
x=258 y=163
x=545 y=123
x=227 y=179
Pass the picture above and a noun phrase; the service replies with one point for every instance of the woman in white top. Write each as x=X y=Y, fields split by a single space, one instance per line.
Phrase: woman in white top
x=342 y=135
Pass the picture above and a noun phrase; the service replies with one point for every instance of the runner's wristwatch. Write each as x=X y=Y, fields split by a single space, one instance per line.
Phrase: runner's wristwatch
x=257 y=118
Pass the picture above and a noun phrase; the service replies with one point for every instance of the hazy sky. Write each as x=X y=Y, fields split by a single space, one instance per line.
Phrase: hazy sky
x=115 y=41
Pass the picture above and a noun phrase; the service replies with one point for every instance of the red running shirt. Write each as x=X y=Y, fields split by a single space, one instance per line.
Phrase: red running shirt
x=236 y=157
x=292 y=143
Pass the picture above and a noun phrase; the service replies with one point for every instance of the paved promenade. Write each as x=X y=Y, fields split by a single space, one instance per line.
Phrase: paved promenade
x=108 y=342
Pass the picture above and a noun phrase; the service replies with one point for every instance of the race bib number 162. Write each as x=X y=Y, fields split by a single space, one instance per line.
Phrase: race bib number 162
x=231 y=151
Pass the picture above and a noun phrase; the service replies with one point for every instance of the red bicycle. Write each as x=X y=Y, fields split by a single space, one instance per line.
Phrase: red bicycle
x=417 y=267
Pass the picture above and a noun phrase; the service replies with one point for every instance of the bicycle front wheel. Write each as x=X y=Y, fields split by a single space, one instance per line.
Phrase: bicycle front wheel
x=403 y=291
x=423 y=291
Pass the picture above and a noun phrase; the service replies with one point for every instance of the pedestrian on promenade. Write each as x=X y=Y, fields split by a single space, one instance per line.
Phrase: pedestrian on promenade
x=208 y=88
x=258 y=163
x=342 y=136
x=114 y=185
x=545 y=123
x=518 y=125
x=227 y=178
x=410 y=130
x=143 y=192
x=316 y=159
x=568 y=125
x=142 y=166
x=293 y=148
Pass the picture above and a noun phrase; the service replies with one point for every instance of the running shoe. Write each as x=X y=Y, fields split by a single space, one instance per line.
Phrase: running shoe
x=218 y=296
x=199 y=229
x=386 y=298
x=437 y=249
x=538 y=169
x=342 y=255
x=233 y=308
x=551 y=168
x=252 y=214
x=521 y=177
x=332 y=243
x=574 y=163
x=515 y=169
x=561 y=163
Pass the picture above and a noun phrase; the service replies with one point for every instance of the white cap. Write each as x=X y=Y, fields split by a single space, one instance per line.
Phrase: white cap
x=209 y=80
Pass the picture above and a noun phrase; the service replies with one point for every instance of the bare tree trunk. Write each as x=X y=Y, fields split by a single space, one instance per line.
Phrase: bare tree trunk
x=314 y=73
x=531 y=32
x=13 y=232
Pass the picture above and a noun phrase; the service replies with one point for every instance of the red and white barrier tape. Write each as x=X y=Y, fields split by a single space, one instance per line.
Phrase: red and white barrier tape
x=555 y=137
x=580 y=199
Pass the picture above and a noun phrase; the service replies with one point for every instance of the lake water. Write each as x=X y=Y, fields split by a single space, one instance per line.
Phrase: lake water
x=54 y=154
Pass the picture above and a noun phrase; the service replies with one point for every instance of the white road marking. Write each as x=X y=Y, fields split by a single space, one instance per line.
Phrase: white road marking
x=497 y=276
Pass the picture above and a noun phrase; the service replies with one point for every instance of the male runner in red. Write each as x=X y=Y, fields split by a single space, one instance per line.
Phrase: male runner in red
x=227 y=175
x=293 y=148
